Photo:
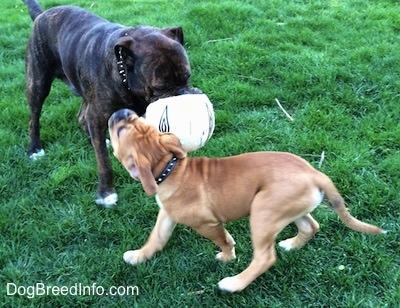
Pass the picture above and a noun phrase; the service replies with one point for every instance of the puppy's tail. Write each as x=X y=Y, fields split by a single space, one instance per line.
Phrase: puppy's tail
x=337 y=202
x=34 y=8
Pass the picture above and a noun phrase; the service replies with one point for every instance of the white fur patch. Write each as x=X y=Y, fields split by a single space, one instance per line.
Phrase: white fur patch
x=134 y=257
x=166 y=228
x=286 y=244
x=159 y=202
x=35 y=156
x=230 y=284
x=108 y=201
x=318 y=196
x=222 y=258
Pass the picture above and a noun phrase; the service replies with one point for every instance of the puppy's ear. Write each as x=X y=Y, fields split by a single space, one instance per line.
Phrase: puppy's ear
x=146 y=176
x=132 y=118
x=172 y=144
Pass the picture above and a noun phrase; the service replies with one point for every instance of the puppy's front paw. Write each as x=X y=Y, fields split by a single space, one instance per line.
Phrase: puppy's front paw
x=134 y=257
x=288 y=244
x=223 y=257
x=230 y=284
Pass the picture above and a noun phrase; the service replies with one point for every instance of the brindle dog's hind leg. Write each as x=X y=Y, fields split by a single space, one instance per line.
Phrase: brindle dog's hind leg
x=39 y=77
x=82 y=117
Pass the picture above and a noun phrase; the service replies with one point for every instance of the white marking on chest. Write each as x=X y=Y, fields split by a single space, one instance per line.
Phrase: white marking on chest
x=159 y=202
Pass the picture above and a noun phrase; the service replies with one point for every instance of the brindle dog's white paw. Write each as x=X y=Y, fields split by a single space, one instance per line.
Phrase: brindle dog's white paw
x=230 y=284
x=108 y=201
x=134 y=257
x=35 y=156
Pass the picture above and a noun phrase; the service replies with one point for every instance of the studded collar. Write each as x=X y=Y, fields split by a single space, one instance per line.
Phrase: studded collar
x=122 y=68
x=167 y=171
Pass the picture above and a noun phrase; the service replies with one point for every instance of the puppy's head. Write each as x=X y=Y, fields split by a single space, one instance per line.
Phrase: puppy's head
x=139 y=146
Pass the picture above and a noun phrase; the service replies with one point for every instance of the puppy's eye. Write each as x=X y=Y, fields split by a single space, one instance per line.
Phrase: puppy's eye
x=119 y=130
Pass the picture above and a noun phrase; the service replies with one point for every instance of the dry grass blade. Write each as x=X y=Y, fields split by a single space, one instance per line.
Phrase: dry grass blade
x=283 y=109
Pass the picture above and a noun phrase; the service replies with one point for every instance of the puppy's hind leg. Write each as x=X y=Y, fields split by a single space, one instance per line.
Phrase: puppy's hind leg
x=263 y=232
x=263 y=258
x=218 y=234
x=307 y=227
x=158 y=238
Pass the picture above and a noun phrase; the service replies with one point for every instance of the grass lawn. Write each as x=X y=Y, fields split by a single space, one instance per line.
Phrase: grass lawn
x=334 y=67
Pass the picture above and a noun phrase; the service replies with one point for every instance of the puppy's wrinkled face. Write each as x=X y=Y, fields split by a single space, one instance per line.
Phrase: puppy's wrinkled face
x=122 y=129
x=139 y=146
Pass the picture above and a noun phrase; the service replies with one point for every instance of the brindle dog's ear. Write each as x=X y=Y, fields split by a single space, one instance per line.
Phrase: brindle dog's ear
x=172 y=144
x=126 y=42
x=176 y=33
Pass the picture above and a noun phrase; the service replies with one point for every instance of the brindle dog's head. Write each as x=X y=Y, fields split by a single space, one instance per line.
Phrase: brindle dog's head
x=154 y=62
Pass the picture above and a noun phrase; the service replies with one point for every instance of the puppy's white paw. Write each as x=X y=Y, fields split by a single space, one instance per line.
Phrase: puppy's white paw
x=224 y=258
x=35 y=156
x=286 y=244
x=230 y=284
x=134 y=257
x=108 y=201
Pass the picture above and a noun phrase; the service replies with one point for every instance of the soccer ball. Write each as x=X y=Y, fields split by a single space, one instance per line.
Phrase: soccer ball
x=189 y=116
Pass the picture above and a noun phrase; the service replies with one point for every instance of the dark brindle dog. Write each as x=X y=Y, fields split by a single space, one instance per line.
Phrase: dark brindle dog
x=109 y=65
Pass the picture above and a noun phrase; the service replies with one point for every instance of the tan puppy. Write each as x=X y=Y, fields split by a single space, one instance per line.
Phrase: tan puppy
x=274 y=188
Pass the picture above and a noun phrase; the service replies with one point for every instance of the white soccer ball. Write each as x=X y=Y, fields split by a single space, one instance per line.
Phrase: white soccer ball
x=189 y=116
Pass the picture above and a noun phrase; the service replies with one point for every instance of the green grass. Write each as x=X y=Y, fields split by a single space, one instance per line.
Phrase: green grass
x=333 y=65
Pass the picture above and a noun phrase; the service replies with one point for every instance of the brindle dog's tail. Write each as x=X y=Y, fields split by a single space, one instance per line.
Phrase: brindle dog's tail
x=337 y=202
x=34 y=8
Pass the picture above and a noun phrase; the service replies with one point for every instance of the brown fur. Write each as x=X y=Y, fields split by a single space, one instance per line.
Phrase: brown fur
x=274 y=188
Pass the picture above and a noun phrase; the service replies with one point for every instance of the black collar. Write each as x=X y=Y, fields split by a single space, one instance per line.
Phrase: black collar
x=167 y=171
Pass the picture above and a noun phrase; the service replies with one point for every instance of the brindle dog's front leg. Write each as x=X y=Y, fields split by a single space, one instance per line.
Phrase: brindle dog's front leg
x=158 y=238
x=96 y=123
